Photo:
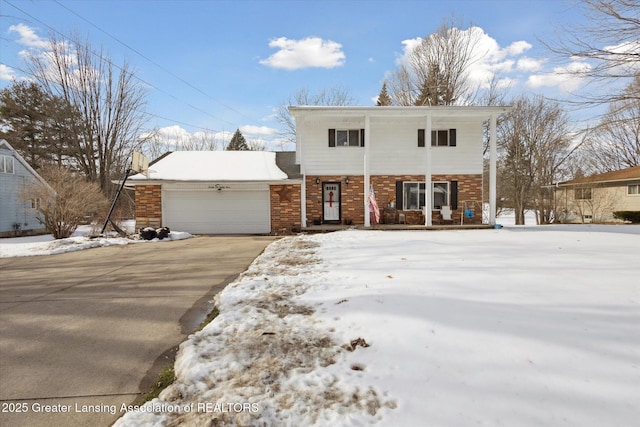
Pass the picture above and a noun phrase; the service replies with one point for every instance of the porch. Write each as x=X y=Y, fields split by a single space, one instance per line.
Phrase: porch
x=326 y=228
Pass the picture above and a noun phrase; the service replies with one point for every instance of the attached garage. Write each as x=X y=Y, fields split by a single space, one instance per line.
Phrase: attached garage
x=227 y=209
x=218 y=192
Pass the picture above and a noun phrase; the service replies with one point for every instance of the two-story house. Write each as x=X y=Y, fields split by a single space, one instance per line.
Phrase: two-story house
x=397 y=153
x=343 y=154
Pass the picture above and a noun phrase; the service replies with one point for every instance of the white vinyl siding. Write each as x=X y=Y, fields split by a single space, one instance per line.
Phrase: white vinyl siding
x=393 y=148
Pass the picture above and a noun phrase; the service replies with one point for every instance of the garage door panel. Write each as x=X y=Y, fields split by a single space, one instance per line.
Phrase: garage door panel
x=217 y=212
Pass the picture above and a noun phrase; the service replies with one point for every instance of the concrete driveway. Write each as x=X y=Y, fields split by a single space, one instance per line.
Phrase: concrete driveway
x=83 y=333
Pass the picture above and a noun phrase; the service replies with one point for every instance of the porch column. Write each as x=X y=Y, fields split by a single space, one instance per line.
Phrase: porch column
x=303 y=187
x=367 y=164
x=427 y=174
x=492 y=170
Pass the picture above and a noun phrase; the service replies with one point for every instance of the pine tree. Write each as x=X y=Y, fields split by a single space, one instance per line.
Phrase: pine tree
x=43 y=128
x=383 y=98
x=238 y=143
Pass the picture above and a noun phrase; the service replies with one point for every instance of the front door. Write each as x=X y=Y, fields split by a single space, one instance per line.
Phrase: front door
x=331 y=202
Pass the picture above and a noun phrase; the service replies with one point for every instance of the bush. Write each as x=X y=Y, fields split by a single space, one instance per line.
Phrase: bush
x=65 y=202
x=631 y=216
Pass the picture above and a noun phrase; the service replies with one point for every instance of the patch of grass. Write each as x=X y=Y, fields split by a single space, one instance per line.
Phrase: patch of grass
x=165 y=379
x=212 y=315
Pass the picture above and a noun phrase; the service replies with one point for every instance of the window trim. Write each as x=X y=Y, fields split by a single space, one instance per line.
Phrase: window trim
x=581 y=193
x=637 y=187
x=333 y=137
x=421 y=194
x=7 y=160
x=451 y=137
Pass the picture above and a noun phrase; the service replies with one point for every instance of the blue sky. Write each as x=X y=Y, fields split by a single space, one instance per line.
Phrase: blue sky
x=223 y=65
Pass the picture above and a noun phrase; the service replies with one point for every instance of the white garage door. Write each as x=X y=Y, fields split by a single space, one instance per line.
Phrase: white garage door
x=217 y=212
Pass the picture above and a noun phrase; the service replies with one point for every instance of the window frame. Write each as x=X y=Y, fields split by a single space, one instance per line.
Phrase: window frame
x=451 y=138
x=582 y=193
x=422 y=195
x=636 y=186
x=337 y=138
x=7 y=160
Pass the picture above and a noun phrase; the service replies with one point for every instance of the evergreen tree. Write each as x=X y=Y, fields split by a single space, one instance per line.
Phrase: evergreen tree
x=383 y=98
x=238 y=143
x=42 y=127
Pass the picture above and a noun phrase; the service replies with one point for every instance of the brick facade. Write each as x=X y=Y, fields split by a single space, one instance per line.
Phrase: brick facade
x=352 y=196
x=148 y=206
x=285 y=208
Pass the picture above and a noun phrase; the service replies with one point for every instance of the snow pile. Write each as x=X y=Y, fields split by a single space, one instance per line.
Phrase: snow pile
x=527 y=326
x=47 y=245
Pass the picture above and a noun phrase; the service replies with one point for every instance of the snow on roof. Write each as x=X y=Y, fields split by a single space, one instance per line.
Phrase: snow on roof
x=215 y=166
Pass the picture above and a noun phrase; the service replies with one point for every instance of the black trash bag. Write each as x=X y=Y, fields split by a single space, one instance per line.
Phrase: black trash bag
x=148 y=233
x=163 y=232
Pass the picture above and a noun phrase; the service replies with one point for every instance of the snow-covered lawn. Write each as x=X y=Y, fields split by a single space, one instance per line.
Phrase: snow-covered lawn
x=523 y=326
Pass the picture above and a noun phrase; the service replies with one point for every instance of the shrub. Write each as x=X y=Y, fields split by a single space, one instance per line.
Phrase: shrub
x=65 y=202
x=631 y=216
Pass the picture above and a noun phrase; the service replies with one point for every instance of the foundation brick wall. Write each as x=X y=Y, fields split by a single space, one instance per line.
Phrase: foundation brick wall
x=352 y=200
x=148 y=206
x=285 y=209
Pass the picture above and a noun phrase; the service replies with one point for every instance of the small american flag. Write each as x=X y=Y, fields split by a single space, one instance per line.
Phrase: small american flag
x=373 y=205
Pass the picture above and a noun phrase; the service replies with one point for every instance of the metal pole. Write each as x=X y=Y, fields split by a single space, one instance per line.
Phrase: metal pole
x=115 y=199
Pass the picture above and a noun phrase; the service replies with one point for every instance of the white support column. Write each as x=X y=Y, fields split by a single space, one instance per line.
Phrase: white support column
x=492 y=170
x=427 y=174
x=303 y=186
x=367 y=164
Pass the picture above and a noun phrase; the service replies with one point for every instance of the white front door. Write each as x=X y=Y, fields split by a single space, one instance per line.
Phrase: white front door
x=331 y=201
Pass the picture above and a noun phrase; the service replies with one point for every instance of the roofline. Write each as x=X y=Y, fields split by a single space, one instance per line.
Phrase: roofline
x=606 y=181
x=132 y=183
x=28 y=166
x=394 y=111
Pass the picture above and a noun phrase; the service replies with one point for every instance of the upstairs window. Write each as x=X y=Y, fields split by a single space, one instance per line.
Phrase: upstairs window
x=6 y=164
x=583 y=194
x=439 y=138
x=346 y=137
x=633 y=190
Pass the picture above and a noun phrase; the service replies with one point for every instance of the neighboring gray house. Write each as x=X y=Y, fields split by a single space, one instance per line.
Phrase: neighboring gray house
x=17 y=217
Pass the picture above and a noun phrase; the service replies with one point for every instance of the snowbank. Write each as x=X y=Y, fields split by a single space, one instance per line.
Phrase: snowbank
x=527 y=326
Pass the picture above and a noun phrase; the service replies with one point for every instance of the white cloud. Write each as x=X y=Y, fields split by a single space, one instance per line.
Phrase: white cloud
x=517 y=48
x=529 y=64
x=488 y=58
x=28 y=36
x=257 y=130
x=6 y=73
x=566 y=78
x=306 y=53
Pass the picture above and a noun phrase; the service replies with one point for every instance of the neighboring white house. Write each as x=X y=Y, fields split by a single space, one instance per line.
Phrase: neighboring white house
x=218 y=192
x=594 y=198
x=398 y=152
x=17 y=215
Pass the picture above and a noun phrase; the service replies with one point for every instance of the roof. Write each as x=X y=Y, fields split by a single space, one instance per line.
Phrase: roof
x=627 y=174
x=411 y=111
x=23 y=162
x=215 y=166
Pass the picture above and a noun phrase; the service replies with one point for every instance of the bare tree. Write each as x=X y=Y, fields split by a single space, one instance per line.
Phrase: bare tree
x=436 y=71
x=109 y=98
x=160 y=141
x=609 y=44
x=72 y=200
x=336 y=96
x=534 y=146
x=615 y=143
